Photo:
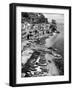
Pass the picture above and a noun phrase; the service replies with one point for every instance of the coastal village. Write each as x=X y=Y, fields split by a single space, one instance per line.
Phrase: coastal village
x=35 y=30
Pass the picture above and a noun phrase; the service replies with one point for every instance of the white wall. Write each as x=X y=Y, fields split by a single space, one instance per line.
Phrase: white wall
x=4 y=43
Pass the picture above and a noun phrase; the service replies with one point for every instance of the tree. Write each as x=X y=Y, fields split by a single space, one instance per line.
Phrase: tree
x=53 y=26
x=34 y=18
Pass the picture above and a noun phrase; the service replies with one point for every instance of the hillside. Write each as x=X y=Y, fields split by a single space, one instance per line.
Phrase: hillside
x=42 y=46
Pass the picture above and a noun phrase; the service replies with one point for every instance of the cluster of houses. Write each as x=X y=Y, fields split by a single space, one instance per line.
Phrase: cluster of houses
x=30 y=31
